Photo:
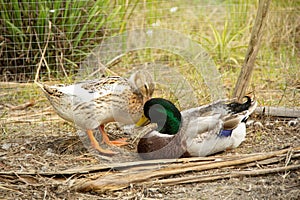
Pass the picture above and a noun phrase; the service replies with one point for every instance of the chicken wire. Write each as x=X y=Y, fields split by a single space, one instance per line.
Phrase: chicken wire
x=54 y=45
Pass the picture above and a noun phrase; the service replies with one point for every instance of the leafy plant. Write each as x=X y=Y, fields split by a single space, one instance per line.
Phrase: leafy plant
x=223 y=45
x=61 y=31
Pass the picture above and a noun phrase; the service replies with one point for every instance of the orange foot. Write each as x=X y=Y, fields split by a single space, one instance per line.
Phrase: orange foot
x=106 y=140
x=96 y=145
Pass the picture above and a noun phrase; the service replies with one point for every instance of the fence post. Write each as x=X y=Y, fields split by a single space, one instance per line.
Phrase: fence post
x=254 y=43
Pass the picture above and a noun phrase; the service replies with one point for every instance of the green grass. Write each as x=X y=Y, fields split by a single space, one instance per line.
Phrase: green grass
x=226 y=40
x=223 y=28
x=71 y=29
x=224 y=50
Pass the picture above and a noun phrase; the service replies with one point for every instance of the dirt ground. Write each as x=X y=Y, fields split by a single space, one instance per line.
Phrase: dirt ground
x=53 y=145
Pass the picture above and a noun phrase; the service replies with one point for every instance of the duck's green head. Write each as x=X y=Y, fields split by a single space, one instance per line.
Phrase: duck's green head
x=162 y=112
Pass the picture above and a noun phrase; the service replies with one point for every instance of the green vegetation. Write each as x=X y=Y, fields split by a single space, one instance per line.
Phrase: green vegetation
x=73 y=28
x=63 y=31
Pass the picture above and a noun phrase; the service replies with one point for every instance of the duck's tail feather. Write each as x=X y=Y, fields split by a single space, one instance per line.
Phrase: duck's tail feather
x=49 y=91
x=55 y=96
x=239 y=112
x=236 y=107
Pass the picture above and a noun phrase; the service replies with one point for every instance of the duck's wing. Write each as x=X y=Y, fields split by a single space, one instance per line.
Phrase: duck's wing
x=204 y=121
x=210 y=127
x=226 y=117
x=86 y=91
x=93 y=89
x=206 y=110
x=201 y=135
x=226 y=108
x=205 y=124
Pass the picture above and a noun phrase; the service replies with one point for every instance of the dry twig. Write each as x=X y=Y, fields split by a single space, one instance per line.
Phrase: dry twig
x=117 y=181
x=116 y=176
x=278 y=111
x=23 y=106
x=214 y=177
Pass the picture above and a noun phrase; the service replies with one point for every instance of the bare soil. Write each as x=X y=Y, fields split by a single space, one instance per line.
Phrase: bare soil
x=50 y=144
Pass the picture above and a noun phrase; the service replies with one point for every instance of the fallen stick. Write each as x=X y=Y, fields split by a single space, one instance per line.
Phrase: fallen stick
x=25 y=115
x=105 y=178
x=214 y=177
x=271 y=160
x=109 y=166
x=23 y=106
x=14 y=84
x=117 y=181
x=22 y=120
x=129 y=165
x=278 y=111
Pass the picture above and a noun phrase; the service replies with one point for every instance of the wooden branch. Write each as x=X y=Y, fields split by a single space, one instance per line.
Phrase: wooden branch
x=117 y=181
x=23 y=106
x=34 y=118
x=143 y=163
x=246 y=72
x=120 y=166
x=102 y=178
x=270 y=160
x=14 y=84
x=214 y=177
x=278 y=111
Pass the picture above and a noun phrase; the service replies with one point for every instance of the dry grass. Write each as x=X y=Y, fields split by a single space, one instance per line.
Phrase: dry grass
x=36 y=139
x=44 y=150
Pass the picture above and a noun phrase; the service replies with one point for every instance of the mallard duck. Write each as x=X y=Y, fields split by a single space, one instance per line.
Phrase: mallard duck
x=200 y=131
x=93 y=103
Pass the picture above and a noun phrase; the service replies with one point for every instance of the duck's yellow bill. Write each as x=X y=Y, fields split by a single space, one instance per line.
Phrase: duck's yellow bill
x=143 y=121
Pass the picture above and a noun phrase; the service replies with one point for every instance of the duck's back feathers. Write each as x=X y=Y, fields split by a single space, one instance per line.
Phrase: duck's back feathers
x=80 y=98
x=229 y=130
x=91 y=103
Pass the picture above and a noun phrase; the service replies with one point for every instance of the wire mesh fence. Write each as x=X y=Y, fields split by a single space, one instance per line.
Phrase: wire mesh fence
x=194 y=50
x=59 y=41
x=58 y=36
x=53 y=41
